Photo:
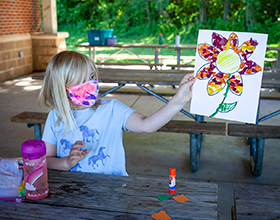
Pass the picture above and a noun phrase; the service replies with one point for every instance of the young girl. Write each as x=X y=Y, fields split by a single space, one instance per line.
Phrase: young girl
x=83 y=133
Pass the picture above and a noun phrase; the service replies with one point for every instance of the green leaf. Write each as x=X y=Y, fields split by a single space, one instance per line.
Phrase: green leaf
x=227 y=107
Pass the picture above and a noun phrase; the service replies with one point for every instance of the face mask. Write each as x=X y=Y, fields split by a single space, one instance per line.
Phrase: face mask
x=85 y=94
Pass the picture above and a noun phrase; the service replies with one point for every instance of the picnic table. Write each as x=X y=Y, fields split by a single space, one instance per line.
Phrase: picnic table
x=173 y=77
x=278 y=54
x=121 y=47
x=182 y=47
x=256 y=202
x=77 y=195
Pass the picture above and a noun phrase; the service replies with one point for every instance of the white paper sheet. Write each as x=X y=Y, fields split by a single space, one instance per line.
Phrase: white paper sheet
x=233 y=63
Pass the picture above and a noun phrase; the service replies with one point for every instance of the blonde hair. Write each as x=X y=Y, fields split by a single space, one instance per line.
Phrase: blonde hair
x=65 y=69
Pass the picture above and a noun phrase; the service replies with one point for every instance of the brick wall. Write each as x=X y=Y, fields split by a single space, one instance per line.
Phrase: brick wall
x=18 y=20
x=20 y=17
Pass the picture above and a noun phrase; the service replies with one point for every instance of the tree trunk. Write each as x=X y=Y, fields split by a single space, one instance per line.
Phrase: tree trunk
x=203 y=12
x=226 y=10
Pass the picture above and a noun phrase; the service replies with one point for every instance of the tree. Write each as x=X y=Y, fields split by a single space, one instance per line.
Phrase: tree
x=203 y=12
x=226 y=10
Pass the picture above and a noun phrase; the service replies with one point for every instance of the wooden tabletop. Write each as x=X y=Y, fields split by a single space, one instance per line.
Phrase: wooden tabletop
x=257 y=202
x=183 y=46
x=273 y=48
x=159 y=77
x=86 y=45
x=77 y=195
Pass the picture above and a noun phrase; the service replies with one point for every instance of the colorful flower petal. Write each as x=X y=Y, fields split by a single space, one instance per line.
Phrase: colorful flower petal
x=249 y=67
x=208 y=52
x=217 y=83
x=247 y=48
x=236 y=84
x=219 y=41
x=206 y=71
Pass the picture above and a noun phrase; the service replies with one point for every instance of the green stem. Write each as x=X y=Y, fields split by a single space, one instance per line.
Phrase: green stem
x=221 y=104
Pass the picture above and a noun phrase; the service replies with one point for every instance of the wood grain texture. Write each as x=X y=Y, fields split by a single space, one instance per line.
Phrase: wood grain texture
x=154 y=46
x=128 y=63
x=195 y=127
x=30 y=117
x=128 y=196
x=260 y=131
x=257 y=202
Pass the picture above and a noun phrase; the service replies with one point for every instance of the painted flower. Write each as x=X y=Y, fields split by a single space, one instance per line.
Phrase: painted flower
x=226 y=63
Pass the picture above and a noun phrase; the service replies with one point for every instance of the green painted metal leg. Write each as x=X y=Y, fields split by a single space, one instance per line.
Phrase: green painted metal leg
x=37 y=130
x=256 y=151
x=194 y=156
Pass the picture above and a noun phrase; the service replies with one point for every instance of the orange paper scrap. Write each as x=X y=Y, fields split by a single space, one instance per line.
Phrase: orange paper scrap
x=162 y=215
x=181 y=198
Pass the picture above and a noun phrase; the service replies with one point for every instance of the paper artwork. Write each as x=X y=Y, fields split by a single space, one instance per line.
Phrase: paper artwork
x=228 y=72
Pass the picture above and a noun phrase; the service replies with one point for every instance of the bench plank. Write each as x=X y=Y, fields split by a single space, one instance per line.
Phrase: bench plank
x=179 y=65
x=127 y=64
x=251 y=131
x=195 y=127
x=30 y=117
x=177 y=126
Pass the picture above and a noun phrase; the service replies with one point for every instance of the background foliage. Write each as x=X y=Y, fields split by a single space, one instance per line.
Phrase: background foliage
x=142 y=20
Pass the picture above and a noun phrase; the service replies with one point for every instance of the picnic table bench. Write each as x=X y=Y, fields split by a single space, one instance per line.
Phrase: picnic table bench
x=256 y=202
x=256 y=135
x=194 y=128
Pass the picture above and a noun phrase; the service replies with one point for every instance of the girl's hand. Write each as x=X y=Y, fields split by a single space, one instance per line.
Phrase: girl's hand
x=76 y=154
x=184 y=92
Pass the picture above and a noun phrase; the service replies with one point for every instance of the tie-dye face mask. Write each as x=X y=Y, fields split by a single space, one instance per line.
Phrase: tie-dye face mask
x=85 y=94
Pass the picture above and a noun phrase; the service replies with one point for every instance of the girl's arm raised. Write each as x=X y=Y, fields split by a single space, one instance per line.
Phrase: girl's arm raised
x=142 y=124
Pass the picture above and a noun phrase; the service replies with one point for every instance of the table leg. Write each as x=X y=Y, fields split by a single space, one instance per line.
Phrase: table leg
x=37 y=130
x=163 y=99
x=178 y=56
x=156 y=56
x=256 y=154
x=278 y=59
x=89 y=52
x=193 y=152
x=94 y=54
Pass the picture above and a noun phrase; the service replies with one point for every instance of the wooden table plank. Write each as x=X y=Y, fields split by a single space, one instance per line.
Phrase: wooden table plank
x=39 y=211
x=249 y=130
x=86 y=45
x=124 y=196
x=257 y=202
x=195 y=127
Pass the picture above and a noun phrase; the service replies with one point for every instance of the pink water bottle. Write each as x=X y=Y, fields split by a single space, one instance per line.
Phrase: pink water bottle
x=35 y=169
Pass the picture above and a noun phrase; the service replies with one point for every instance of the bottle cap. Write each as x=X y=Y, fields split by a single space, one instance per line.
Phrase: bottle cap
x=33 y=149
x=172 y=171
x=160 y=34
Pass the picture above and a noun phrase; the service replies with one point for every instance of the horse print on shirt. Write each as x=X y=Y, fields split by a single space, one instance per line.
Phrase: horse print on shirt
x=100 y=156
x=87 y=133
x=77 y=168
x=66 y=145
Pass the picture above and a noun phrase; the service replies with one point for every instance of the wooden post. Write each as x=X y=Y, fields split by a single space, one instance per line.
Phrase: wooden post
x=49 y=16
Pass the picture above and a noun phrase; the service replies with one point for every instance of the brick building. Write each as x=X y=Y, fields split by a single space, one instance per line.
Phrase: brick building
x=24 y=48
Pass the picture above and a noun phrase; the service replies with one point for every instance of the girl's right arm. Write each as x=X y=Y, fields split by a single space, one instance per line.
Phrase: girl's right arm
x=65 y=163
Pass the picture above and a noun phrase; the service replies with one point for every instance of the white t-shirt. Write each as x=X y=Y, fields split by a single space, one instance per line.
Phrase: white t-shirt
x=101 y=130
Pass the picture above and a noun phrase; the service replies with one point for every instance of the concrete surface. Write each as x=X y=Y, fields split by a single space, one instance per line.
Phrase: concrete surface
x=224 y=160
